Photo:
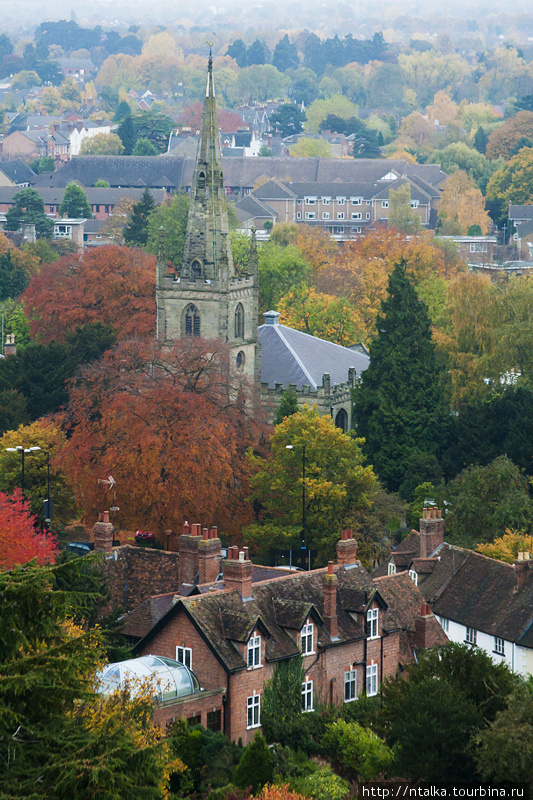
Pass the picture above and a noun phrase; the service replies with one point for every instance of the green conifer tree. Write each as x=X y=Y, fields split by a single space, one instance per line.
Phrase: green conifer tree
x=281 y=706
x=481 y=140
x=28 y=209
x=255 y=767
x=288 y=405
x=128 y=134
x=136 y=232
x=399 y=406
x=75 y=204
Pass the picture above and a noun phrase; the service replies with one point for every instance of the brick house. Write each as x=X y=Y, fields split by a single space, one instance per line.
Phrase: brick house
x=351 y=631
x=477 y=600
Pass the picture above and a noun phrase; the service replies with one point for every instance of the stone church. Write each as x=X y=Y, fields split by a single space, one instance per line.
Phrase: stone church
x=205 y=297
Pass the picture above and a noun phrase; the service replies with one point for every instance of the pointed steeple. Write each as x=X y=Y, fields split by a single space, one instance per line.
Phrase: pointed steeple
x=207 y=250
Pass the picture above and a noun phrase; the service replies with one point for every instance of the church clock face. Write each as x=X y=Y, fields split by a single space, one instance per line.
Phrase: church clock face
x=241 y=358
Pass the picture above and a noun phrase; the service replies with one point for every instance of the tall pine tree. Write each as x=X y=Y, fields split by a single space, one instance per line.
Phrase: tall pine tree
x=399 y=406
x=136 y=232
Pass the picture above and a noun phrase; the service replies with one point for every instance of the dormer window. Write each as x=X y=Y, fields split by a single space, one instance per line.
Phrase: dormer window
x=306 y=639
x=414 y=576
x=372 y=621
x=392 y=568
x=254 y=652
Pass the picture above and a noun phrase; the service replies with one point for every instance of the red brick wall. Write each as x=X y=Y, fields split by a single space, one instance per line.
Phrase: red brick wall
x=198 y=705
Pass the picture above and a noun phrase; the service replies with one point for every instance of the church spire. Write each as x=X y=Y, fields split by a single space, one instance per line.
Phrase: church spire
x=207 y=250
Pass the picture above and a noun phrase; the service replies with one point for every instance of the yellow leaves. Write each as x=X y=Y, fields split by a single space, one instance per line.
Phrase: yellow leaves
x=507 y=547
x=463 y=202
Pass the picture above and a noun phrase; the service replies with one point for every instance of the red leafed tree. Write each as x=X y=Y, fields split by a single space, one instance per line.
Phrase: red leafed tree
x=191 y=117
x=171 y=425
x=113 y=285
x=20 y=540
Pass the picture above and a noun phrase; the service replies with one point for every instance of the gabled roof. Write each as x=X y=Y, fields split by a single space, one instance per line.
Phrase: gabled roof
x=95 y=195
x=520 y=212
x=524 y=229
x=251 y=207
x=17 y=171
x=275 y=190
x=118 y=171
x=416 y=192
x=292 y=357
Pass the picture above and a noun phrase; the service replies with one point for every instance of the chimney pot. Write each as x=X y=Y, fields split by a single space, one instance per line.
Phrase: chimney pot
x=245 y=551
x=214 y=532
x=424 y=513
x=349 y=533
x=186 y=528
x=520 y=555
x=106 y=516
x=205 y=534
x=330 y=567
x=241 y=555
x=100 y=517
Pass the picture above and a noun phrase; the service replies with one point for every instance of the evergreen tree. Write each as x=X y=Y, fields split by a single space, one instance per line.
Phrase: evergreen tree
x=144 y=147
x=13 y=279
x=288 y=405
x=258 y=53
x=75 y=203
x=123 y=111
x=288 y=119
x=281 y=706
x=136 y=232
x=238 y=51
x=128 y=134
x=28 y=209
x=399 y=405
x=255 y=767
x=285 y=55
x=481 y=140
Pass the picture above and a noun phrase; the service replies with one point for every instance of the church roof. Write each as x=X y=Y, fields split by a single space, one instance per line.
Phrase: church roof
x=290 y=356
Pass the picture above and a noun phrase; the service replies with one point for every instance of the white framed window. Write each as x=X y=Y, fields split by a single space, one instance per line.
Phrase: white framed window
x=339 y=229
x=371 y=679
x=356 y=201
x=341 y=201
x=384 y=204
x=325 y=215
x=298 y=215
x=499 y=646
x=414 y=203
x=299 y=202
x=326 y=201
x=356 y=215
x=368 y=216
x=471 y=636
x=340 y=215
x=254 y=652
x=392 y=568
x=369 y=202
x=372 y=620
x=357 y=230
x=310 y=201
x=307 y=695
x=306 y=639
x=253 y=709
x=310 y=215
x=350 y=685
x=414 y=576
x=184 y=656
x=444 y=623
x=479 y=247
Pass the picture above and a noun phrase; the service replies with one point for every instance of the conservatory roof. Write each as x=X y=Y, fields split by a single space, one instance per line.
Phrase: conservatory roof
x=167 y=679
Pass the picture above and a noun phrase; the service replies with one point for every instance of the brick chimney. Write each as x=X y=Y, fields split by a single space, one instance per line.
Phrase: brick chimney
x=103 y=533
x=347 y=548
x=237 y=569
x=421 y=636
x=330 y=601
x=209 y=556
x=188 y=553
x=431 y=531
x=521 y=569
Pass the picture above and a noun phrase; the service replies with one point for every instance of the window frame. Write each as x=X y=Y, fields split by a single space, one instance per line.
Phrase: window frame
x=391 y=569
x=253 y=711
x=239 y=321
x=187 y=651
x=413 y=574
x=384 y=204
x=499 y=646
x=307 y=696
x=372 y=618
x=350 y=685
x=356 y=215
x=307 y=634
x=444 y=622
x=340 y=215
x=471 y=636
x=325 y=215
x=372 y=680
x=341 y=201
x=254 y=651
x=310 y=215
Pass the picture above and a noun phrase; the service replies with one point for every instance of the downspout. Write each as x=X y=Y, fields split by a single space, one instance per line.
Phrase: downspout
x=227 y=705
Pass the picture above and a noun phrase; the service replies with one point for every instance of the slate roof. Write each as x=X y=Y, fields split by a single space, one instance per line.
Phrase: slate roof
x=275 y=190
x=17 y=171
x=416 y=192
x=290 y=356
x=251 y=207
x=120 y=171
x=521 y=212
x=280 y=606
x=524 y=228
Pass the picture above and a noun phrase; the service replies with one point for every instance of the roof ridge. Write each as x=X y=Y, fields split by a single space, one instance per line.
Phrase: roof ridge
x=310 y=335
x=294 y=355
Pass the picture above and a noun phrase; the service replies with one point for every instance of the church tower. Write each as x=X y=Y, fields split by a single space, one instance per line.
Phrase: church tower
x=204 y=296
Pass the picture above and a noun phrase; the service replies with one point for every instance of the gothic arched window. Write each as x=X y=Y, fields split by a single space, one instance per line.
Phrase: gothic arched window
x=196 y=270
x=192 y=321
x=341 y=420
x=239 y=322
x=201 y=180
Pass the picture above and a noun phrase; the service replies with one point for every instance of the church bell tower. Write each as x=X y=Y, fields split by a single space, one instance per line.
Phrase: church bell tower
x=203 y=296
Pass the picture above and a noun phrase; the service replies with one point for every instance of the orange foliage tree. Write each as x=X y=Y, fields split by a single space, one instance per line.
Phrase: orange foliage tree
x=171 y=425
x=20 y=258
x=20 y=540
x=323 y=315
x=113 y=285
x=278 y=792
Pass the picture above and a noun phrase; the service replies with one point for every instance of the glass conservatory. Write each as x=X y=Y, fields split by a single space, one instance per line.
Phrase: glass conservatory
x=166 y=679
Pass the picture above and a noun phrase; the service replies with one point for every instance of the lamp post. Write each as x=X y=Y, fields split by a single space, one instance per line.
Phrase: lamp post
x=22 y=451
x=303 y=546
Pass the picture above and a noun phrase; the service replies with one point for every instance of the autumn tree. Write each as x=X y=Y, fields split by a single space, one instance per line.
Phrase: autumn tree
x=46 y=436
x=281 y=269
x=339 y=486
x=400 y=405
x=326 y=316
x=513 y=183
x=507 y=547
x=401 y=213
x=507 y=138
x=310 y=148
x=118 y=220
x=462 y=205
x=103 y=144
x=113 y=285
x=167 y=226
x=20 y=539
x=171 y=424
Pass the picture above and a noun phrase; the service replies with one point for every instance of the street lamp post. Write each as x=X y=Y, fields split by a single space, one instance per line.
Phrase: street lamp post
x=22 y=451
x=303 y=546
